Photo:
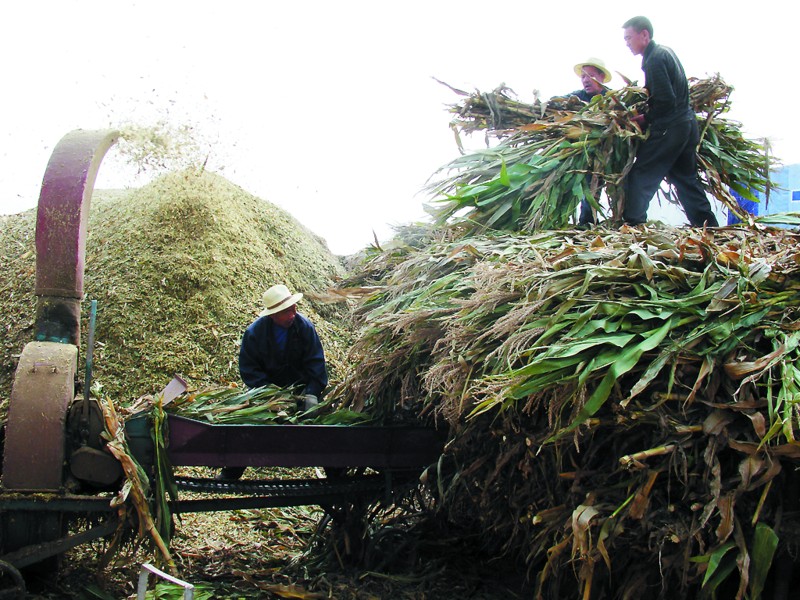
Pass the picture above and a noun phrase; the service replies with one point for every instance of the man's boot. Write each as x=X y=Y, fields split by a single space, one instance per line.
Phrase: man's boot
x=230 y=473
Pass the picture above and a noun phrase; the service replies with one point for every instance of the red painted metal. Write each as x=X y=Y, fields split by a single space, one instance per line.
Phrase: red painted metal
x=61 y=227
x=44 y=383
x=44 y=386
x=195 y=443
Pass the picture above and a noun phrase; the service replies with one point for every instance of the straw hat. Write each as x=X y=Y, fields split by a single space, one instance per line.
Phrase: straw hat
x=597 y=64
x=277 y=298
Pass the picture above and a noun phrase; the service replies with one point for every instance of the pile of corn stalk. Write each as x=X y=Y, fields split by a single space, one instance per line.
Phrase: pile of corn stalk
x=553 y=154
x=622 y=405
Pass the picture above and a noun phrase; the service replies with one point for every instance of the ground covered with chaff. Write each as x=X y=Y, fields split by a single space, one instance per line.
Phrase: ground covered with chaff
x=292 y=553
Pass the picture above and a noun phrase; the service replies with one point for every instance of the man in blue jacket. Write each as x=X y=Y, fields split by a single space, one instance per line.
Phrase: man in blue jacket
x=281 y=348
x=671 y=146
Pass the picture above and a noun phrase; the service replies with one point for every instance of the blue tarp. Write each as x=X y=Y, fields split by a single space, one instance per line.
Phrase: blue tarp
x=746 y=205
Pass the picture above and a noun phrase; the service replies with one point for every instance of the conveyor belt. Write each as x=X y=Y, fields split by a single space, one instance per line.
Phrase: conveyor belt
x=282 y=487
x=252 y=494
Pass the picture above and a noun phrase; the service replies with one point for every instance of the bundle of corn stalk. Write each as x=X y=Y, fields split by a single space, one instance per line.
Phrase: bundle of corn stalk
x=553 y=155
x=267 y=405
x=623 y=405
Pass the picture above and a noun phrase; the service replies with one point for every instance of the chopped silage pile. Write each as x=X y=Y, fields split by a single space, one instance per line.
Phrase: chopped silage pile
x=622 y=404
x=178 y=268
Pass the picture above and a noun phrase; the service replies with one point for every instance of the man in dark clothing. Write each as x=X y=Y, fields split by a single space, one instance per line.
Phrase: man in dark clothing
x=593 y=74
x=670 y=148
x=282 y=348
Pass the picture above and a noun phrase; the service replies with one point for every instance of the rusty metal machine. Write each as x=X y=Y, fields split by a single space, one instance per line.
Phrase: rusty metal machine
x=54 y=467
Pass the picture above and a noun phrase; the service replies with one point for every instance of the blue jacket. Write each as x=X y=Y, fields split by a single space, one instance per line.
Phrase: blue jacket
x=583 y=95
x=302 y=362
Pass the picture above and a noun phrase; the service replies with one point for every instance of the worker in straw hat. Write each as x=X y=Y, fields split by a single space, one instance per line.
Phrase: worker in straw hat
x=594 y=76
x=281 y=348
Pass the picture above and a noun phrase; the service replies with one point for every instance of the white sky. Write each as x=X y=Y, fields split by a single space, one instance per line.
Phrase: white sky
x=328 y=108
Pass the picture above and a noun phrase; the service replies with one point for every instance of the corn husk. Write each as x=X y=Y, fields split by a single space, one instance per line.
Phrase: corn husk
x=136 y=493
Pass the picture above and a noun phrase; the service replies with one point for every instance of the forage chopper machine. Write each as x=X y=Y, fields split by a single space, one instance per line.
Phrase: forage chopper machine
x=55 y=469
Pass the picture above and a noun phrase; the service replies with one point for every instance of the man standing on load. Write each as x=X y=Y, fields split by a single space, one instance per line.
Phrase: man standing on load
x=670 y=148
x=282 y=348
x=594 y=75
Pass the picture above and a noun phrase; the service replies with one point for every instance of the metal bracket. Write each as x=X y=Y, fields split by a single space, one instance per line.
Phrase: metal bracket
x=144 y=575
x=17 y=589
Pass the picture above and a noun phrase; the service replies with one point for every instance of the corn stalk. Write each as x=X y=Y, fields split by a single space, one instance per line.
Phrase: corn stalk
x=551 y=156
x=620 y=393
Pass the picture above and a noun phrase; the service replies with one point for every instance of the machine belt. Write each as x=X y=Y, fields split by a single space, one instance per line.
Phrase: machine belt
x=291 y=487
x=253 y=494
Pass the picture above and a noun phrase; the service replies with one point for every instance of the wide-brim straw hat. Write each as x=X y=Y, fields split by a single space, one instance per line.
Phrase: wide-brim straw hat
x=597 y=64
x=277 y=298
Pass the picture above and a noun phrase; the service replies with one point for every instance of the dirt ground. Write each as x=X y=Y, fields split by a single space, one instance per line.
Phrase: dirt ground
x=283 y=553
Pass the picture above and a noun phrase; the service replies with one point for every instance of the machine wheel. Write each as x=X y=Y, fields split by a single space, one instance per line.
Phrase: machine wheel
x=43 y=387
x=12 y=584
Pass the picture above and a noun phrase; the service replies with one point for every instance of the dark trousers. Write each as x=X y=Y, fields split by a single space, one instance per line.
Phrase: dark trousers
x=668 y=152
x=586 y=215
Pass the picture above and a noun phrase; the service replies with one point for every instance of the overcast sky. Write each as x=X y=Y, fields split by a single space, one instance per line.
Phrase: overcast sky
x=330 y=109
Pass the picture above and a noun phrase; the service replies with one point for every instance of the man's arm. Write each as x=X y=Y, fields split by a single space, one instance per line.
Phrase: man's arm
x=250 y=368
x=659 y=86
x=314 y=363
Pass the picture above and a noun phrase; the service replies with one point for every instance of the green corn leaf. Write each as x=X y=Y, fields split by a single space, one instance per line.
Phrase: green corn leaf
x=765 y=542
x=718 y=567
x=626 y=360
